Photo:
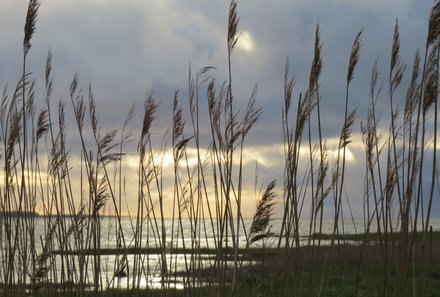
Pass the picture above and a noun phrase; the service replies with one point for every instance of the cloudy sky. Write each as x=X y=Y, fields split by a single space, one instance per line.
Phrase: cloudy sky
x=126 y=48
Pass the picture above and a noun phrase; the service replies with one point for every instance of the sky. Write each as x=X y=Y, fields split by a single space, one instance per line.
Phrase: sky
x=127 y=48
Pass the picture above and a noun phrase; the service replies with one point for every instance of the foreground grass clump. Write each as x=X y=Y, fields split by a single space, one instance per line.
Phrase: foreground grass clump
x=353 y=268
x=206 y=246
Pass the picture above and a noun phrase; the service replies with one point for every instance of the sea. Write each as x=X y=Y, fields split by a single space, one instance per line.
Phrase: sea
x=131 y=254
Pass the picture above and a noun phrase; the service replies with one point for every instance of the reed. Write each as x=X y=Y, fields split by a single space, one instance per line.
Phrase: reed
x=53 y=209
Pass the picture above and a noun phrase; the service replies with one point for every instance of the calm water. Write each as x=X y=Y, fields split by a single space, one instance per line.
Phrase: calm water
x=202 y=234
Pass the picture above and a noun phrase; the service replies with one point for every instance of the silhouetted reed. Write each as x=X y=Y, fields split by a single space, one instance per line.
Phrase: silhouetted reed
x=189 y=228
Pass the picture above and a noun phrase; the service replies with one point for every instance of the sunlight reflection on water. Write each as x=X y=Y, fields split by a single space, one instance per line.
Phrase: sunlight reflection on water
x=188 y=235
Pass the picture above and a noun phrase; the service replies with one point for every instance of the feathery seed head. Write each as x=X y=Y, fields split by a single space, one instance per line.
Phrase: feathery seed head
x=397 y=68
x=412 y=93
x=434 y=24
x=317 y=60
x=354 y=56
x=432 y=77
x=29 y=27
x=233 y=25
x=396 y=46
x=260 y=222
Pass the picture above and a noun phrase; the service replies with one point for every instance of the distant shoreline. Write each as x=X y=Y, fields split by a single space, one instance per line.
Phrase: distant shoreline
x=255 y=251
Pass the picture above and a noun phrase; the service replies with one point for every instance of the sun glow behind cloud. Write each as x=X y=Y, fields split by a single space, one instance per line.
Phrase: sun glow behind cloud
x=129 y=47
x=246 y=42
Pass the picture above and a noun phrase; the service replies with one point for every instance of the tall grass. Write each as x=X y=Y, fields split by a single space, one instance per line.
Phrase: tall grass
x=71 y=257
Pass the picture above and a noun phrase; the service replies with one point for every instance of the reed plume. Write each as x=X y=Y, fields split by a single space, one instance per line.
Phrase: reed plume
x=149 y=116
x=316 y=68
x=105 y=146
x=30 y=24
x=289 y=83
x=260 y=228
x=431 y=79
x=413 y=92
x=233 y=26
x=252 y=113
x=48 y=74
x=347 y=130
x=43 y=124
x=397 y=68
x=77 y=102
x=150 y=107
x=354 y=56
x=434 y=24
x=322 y=192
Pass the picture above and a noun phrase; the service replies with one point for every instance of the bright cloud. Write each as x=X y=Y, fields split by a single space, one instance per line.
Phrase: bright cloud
x=126 y=48
x=246 y=42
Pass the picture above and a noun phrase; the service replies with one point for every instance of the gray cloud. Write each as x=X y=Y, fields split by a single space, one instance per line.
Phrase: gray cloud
x=126 y=48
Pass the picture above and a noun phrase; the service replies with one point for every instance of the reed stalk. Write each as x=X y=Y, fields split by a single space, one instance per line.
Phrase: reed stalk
x=65 y=250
